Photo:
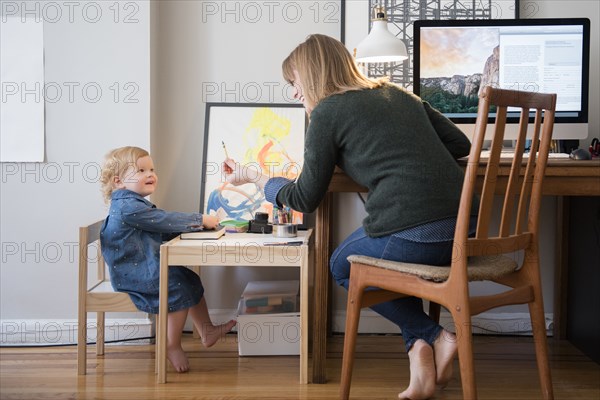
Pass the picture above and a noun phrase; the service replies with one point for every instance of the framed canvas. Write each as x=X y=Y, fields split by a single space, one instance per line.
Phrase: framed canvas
x=268 y=138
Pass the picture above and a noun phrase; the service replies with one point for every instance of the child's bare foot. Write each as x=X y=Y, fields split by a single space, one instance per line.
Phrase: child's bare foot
x=211 y=334
x=178 y=359
x=444 y=349
x=422 y=372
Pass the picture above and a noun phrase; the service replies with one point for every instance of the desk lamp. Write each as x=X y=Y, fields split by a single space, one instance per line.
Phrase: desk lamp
x=380 y=45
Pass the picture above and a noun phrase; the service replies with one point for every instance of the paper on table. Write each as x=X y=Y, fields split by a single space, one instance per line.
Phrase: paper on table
x=255 y=239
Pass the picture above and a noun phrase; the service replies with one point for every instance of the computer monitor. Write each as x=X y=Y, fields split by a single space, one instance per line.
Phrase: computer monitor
x=455 y=59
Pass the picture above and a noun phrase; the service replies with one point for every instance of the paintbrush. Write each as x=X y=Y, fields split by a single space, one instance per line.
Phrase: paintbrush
x=225 y=149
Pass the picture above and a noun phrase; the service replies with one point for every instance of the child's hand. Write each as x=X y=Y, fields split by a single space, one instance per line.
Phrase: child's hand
x=209 y=221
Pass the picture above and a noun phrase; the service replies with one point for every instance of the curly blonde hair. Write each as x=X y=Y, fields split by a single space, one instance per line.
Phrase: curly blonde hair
x=326 y=68
x=116 y=163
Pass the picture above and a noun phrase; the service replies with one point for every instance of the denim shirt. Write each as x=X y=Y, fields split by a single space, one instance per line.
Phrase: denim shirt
x=131 y=237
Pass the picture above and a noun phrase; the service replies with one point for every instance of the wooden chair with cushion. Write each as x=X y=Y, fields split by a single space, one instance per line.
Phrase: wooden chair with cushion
x=99 y=297
x=483 y=257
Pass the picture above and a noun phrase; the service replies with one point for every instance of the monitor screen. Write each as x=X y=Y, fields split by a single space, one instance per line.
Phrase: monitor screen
x=455 y=59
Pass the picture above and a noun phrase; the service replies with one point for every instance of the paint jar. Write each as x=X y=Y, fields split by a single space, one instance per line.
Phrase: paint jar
x=285 y=230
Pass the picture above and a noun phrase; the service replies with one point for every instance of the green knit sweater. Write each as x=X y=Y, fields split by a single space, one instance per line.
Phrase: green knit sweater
x=391 y=142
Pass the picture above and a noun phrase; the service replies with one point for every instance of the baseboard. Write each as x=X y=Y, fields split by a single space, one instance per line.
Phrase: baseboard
x=47 y=332
x=371 y=322
x=139 y=330
x=485 y=323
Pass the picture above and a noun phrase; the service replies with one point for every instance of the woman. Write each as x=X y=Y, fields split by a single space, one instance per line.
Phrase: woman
x=404 y=152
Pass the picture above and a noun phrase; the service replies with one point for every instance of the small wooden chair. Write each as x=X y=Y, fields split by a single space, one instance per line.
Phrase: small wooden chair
x=99 y=298
x=480 y=257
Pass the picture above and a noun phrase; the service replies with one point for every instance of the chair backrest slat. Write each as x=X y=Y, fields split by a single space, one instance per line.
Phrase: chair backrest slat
x=491 y=172
x=101 y=264
x=521 y=220
x=89 y=237
x=514 y=176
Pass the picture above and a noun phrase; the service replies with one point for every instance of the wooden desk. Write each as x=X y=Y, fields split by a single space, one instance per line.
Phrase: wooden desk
x=243 y=249
x=563 y=178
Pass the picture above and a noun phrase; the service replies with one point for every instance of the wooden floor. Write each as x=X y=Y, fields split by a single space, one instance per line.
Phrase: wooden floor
x=505 y=370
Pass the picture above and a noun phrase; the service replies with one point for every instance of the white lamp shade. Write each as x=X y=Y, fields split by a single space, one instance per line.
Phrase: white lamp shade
x=380 y=46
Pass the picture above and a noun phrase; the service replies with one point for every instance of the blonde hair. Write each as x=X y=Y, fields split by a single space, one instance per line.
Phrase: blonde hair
x=325 y=68
x=116 y=163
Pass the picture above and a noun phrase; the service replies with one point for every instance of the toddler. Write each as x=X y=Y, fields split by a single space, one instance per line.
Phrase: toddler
x=131 y=237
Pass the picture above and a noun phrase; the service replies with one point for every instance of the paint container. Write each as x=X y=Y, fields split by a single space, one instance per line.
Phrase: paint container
x=285 y=230
x=235 y=226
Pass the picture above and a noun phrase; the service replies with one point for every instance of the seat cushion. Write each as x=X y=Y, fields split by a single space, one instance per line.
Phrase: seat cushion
x=479 y=268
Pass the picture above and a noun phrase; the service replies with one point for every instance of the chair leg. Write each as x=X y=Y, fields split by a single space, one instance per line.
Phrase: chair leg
x=82 y=343
x=156 y=342
x=462 y=322
x=100 y=333
x=355 y=294
x=538 y=325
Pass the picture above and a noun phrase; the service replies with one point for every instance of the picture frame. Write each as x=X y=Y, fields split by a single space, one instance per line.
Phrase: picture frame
x=266 y=137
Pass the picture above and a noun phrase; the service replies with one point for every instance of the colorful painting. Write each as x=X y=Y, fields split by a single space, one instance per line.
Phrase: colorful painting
x=268 y=138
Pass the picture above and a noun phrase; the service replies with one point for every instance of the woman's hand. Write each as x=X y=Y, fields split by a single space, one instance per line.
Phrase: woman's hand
x=238 y=174
x=209 y=221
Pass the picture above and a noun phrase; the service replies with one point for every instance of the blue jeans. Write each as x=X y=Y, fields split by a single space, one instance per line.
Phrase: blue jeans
x=406 y=312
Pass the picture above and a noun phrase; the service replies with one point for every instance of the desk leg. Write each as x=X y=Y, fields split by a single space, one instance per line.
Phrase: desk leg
x=304 y=315
x=561 y=274
x=163 y=309
x=322 y=251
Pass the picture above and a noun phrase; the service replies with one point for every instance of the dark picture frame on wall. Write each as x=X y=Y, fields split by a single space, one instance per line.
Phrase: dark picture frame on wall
x=265 y=137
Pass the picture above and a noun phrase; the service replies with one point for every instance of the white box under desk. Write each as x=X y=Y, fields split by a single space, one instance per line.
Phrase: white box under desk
x=269 y=318
x=269 y=334
x=240 y=249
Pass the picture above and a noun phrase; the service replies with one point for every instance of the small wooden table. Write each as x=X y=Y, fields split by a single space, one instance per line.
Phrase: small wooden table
x=238 y=249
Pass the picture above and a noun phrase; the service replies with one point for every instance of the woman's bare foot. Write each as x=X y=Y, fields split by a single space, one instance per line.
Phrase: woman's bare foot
x=178 y=359
x=211 y=334
x=444 y=349
x=422 y=372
